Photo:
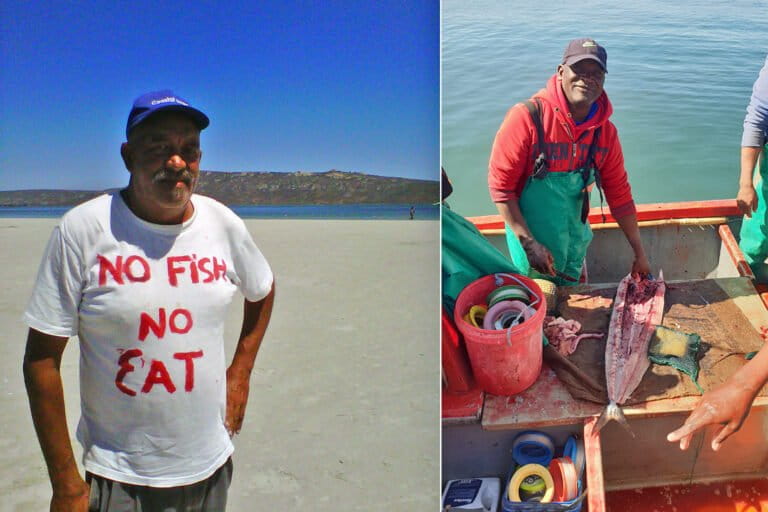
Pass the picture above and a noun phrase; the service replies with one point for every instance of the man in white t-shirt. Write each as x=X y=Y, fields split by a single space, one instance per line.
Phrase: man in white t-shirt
x=144 y=277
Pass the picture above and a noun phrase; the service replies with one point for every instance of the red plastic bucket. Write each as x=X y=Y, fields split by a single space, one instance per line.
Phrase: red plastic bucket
x=504 y=362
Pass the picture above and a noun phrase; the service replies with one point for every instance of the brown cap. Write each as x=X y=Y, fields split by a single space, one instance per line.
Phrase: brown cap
x=585 y=48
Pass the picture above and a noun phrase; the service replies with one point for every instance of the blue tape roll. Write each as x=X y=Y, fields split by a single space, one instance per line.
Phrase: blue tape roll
x=533 y=447
x=574 y=449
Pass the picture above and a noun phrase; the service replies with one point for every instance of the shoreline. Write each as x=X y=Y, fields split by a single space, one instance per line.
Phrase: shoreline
x=269 y=212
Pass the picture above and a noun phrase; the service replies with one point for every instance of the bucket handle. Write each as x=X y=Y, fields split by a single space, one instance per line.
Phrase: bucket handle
x=498 y=281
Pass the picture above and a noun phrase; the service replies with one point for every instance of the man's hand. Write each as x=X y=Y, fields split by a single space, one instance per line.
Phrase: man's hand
x=255 y=319
x=539 y=256
x=746 y=199
x=238 y=386
x=727 y=406
x=72 y=499
x=641 y=268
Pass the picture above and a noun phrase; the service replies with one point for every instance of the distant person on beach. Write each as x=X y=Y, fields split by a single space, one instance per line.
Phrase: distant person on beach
x=546 y=155
x=144 y=277
x=412 y=212
x=728 y=405
x=751 y=197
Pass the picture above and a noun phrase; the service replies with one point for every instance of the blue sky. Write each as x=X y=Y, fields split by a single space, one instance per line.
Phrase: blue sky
x=288 y=86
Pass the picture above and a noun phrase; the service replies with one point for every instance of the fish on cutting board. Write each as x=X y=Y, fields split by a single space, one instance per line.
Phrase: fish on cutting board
x=637 y=310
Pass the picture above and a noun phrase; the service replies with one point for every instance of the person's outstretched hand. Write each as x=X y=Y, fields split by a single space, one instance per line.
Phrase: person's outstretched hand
x=746 y=199
x=726 y=405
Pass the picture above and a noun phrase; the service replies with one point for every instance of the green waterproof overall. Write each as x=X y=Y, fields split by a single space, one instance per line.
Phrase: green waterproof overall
x=754 y=230
x=552 y=209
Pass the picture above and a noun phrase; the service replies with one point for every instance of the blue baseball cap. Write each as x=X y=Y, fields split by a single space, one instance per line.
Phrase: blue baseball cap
x=165 y=100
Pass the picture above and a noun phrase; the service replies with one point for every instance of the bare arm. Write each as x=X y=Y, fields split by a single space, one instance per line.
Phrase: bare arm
x=538 y=256
x=746 y=197
x=255 y=320
x=628 y=224
x=42 y=363
x=726 y=405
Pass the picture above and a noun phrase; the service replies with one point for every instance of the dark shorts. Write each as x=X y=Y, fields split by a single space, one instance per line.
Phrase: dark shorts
x=208 y=495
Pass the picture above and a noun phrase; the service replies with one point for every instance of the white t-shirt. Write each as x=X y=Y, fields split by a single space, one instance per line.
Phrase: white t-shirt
x=148 y=303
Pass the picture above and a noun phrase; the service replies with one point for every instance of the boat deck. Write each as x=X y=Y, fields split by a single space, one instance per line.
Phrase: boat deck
x=645 y=473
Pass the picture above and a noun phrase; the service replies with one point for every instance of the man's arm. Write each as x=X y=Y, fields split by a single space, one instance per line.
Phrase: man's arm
x=255 y=320
x=752 y=140
x=42 y=376
x=538 y=256
x=726 y=405
x=628 y=224
x=746 y=197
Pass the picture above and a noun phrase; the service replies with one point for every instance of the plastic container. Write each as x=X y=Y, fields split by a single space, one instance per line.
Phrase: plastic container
x=532 y=506
x=504 y=362
x=472 y=494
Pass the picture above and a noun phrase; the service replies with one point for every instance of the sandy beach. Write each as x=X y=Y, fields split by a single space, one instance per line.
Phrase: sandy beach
x=344 y=405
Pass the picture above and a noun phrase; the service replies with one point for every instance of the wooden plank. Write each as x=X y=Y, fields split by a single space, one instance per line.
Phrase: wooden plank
x=546 y=403
x=704 y=221
x=645 y=212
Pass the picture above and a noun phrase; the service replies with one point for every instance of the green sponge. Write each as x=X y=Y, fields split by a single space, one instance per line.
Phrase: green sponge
x=676 y=349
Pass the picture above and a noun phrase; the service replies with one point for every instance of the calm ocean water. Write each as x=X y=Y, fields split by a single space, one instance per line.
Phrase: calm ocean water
x=680 y=77
x=329 y=212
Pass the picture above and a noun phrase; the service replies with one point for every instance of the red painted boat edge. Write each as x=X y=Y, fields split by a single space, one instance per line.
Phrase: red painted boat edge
x=594 y=467
x=462 y=406
x=650 y=211
x=729 y=241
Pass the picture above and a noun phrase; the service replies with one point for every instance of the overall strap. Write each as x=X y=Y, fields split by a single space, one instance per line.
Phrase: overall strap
x=540 y=169
x=590 y=163
x=534 y=109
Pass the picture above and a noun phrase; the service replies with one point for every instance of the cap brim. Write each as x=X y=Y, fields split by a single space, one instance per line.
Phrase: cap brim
x=200 y=119
x=578 y=58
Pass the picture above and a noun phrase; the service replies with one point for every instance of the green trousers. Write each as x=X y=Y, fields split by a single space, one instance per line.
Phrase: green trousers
x=754 y=230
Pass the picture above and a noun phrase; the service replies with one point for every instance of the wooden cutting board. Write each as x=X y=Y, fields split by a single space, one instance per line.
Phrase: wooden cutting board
x=726 y=313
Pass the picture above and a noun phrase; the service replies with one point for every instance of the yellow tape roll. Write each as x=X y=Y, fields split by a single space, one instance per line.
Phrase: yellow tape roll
x=524 y=472
x=476 y=315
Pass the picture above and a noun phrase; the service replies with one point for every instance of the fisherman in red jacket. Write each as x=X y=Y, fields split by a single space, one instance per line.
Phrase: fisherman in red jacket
x=541 y=183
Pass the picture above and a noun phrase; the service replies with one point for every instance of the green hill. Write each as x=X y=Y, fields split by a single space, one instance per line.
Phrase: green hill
x=263 y=188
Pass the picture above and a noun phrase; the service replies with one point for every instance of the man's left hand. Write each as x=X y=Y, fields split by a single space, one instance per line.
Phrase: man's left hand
x=238 y=386
x=746 y=200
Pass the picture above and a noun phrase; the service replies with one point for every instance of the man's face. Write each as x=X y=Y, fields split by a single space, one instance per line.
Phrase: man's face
x=163 y=157
x=582 y=82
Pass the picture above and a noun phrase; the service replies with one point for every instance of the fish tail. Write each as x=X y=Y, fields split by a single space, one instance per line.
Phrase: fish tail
x=612 y=412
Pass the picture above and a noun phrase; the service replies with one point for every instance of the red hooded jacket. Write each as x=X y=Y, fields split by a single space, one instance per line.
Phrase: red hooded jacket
x=567 y=145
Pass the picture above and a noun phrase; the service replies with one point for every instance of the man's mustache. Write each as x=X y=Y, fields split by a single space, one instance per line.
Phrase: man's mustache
x=164 y=174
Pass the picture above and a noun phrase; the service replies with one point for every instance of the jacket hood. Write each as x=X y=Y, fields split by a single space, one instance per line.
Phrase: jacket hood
x=553 y=94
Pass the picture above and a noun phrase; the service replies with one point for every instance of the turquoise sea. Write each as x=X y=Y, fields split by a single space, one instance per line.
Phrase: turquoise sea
x=679 y=76
x=328 y=212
